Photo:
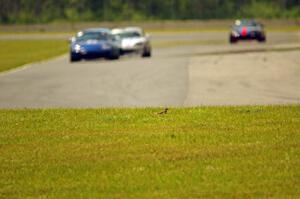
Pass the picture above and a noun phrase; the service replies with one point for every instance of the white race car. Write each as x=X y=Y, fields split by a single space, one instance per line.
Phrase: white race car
x=133 y=39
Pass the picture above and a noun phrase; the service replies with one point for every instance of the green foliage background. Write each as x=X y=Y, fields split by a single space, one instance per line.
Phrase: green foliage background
x=40 y=11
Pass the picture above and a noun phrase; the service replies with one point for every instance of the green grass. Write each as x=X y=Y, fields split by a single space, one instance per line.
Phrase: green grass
x=167 y=31
x=159 y=26
x=14 y=53
x=209 y=152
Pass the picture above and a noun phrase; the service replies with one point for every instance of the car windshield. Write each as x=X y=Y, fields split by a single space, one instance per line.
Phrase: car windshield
x=128 y=34
x=246 y=23
x=92 y=36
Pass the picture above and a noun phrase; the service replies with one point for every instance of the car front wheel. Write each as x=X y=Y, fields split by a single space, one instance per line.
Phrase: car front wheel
x=233 y=40
x=147 y=52
x=74 y=58
x=114 y=55
x=262 y=39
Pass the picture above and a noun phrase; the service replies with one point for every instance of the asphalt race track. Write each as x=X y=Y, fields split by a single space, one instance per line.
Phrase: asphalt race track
x=180 y=75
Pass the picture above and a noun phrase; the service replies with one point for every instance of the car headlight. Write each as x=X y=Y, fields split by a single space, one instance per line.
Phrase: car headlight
x=77 y=48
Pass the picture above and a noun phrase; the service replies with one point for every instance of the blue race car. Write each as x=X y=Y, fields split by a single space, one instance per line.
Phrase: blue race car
x=247 y=30
x=94 y=43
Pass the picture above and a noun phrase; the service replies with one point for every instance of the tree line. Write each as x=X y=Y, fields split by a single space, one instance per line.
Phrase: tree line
x=44 y=11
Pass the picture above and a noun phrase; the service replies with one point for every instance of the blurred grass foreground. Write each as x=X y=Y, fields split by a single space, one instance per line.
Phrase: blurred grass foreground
x=215 y=152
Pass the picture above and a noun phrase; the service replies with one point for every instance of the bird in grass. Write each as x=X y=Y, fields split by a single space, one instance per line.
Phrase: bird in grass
x=163 y=112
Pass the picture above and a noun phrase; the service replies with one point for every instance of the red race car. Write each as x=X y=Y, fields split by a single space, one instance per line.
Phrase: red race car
x=247 y=30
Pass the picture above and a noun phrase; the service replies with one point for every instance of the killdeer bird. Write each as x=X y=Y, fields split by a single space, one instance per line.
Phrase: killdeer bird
x=163 y=112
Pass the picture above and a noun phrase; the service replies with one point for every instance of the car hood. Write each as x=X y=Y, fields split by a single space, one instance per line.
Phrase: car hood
x=91 y=43
x=133 y=41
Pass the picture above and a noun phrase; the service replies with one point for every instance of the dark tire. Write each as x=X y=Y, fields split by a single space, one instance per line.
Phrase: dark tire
x=147 y=53
x=262 y=39
x=114 y=55
x=233 y=40
x=74 y=58
x=122 y=52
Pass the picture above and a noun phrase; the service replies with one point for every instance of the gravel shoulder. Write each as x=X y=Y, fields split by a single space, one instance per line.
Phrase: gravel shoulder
x=245 y=79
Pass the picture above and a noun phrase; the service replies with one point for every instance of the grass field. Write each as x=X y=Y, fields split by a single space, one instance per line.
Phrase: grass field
x=209 y=152
x=14 y=53
x=152 y=26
